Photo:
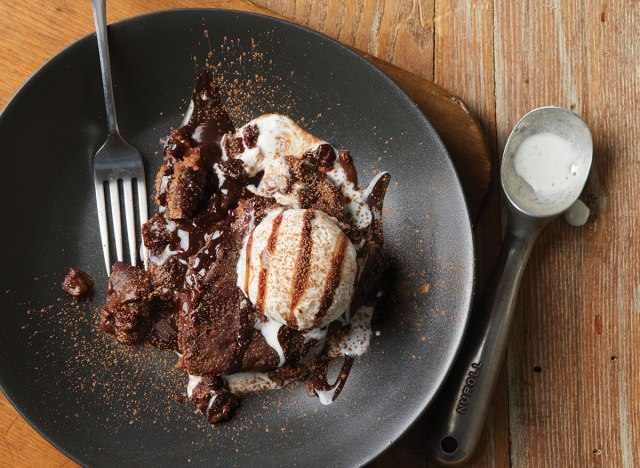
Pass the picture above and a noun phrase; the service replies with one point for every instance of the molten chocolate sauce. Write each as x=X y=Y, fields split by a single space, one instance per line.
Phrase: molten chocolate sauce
x=189 y=300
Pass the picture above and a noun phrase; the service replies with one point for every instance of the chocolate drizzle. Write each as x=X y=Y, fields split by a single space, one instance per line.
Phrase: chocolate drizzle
x=346 y=161
x=318 y=381
x=213 y=398
x=264 y=260
x=190 y=300
x=376 y=192
x=333 y=280
x=209 y=120
x=301 y=274
x=247 y=262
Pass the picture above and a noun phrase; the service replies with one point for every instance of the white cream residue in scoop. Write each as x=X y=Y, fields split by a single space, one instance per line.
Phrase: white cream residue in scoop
x=549 y=164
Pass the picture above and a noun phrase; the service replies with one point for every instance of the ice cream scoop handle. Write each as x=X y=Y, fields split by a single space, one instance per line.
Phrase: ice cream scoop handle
x=461 y=407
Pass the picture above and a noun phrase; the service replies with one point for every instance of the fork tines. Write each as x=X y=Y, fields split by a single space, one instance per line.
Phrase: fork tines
x=116 y=220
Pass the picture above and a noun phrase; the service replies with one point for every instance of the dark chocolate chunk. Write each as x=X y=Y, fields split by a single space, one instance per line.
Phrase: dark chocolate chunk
x=250 y=134
x=314 y=188
x=323 y=156
x=169 y=276
x=224 y=403
x=232 y=146
x=216 y=332
x=155 y=233
x=232 y=169
x=178 y=143
x=186 y=189
x=128 y=312
x=77 y=283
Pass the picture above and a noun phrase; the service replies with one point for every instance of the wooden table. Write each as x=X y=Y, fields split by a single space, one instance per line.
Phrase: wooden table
x=567 y=395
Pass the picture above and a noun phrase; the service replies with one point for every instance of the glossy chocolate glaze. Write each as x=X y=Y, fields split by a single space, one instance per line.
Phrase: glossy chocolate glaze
x=318 y=381
x=189 y=300
x=77 y=283
x=301 y=275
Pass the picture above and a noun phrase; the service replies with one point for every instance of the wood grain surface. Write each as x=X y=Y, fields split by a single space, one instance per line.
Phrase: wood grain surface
x=567 y=396
x=573 y=362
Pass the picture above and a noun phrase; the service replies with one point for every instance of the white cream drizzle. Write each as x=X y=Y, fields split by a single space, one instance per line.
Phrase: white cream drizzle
x=245 y=382
x=318 y=334
x=171 y=226
x=184 y=239
x=269 y=330
x=355 y=341
x=194 y=380
x=163 y=184
x=162 y=257
x=357 y=210
x=211 y=401
x=326 y=396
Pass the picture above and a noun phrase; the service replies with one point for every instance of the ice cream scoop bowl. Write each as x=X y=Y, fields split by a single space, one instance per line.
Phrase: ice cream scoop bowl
x=535 y=195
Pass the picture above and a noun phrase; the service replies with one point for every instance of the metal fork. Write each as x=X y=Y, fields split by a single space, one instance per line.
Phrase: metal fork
x=116 y=161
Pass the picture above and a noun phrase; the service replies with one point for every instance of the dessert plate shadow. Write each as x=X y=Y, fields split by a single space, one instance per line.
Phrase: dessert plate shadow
x=105 y=404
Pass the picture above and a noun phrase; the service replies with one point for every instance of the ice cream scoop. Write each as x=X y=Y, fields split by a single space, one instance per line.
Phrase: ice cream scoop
x=298 y=268
x=545 y=166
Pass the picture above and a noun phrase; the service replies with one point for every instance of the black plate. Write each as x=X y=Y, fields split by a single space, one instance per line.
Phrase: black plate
x=103 y=404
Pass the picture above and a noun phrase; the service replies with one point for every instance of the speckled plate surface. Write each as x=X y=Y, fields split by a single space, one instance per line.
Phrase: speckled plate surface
x=105 y=404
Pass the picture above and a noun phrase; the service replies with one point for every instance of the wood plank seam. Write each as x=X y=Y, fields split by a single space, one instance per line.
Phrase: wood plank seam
x=496 y=186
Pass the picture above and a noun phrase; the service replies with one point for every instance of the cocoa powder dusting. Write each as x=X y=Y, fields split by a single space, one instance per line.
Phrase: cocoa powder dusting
x=249 y=85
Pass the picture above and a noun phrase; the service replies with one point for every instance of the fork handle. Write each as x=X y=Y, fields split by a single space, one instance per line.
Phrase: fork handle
x=100 y=17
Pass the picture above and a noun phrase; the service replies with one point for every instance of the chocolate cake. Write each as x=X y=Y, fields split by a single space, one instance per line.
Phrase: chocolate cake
x=263 y=254
x=77 y=283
